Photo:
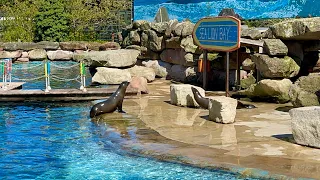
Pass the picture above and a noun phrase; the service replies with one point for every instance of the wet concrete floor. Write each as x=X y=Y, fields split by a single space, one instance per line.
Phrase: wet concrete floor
x=259 y=143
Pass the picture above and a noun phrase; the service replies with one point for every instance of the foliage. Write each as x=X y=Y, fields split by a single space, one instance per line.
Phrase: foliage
x=89 y=17
x=18 y=24
x=62 y=20
x=52 y=21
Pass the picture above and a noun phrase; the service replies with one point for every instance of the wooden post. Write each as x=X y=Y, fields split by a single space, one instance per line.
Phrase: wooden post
x=227 y=75
x=205 y=74
x=238 y=71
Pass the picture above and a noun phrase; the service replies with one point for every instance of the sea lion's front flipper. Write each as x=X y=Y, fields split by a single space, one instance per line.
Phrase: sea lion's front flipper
x=120 y=107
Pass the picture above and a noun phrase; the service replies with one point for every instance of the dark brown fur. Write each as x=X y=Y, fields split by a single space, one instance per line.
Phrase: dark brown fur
x=113 y=103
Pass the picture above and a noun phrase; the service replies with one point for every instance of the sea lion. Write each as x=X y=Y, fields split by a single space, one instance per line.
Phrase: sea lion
x=204 y=102
x=113 y=103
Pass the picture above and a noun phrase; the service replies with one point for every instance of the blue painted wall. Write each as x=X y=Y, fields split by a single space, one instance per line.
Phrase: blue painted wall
x=248 y=9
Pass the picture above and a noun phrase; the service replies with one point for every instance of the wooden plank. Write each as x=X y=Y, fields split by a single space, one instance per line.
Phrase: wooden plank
x=11 y=85
x=60 y=94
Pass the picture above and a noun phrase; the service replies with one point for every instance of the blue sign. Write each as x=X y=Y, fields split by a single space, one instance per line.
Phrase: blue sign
x=217 y=33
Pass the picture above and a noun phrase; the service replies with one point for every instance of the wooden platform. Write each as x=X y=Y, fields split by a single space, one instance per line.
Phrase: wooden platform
x=11 y=85
x=59 y=94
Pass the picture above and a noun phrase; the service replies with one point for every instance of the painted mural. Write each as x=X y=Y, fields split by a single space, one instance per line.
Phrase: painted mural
x=247 y=9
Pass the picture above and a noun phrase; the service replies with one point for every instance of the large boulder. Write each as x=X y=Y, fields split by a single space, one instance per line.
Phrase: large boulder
x=37 y=54
x=10 y=54
x=183 y=74
x=141 y=71
x=269 y=90
x=111 y=75
x=275 y=67
x=184 y=29
x=111 y=58
x=27 y=46
x=161 y=68
x=222 y=109
x=145 y=53
x=133 y=38
x=141 y=25
x=179 y=56
x=171 y=27
x=60 y=55
x=306 y=125
x=248 y=65
x=160 y=27
x=248 y=81
x=152 y=41
x=188 y=45
x=302 y=93
x=73 y=45
x=298 y=29
x=251 y=33
x=181 y=95
x=275 y=47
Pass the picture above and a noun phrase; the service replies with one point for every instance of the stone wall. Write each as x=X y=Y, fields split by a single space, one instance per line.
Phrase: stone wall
x=290 y=50
x=28 y=51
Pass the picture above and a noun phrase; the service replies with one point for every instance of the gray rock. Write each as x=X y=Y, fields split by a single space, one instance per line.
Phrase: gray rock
x=161 y=68
x=73 y=45
x=111 y=75
x=152 y=41
x=10 y=54
x=27 y=46
x=183 y=74
x=60 y=55
x=181 y=95
x=302 y=93
x=141 y=25
x=222 y=109
x=140 y=71
x=160 y=27
x=274 y=67
x=270 y=90
x=145 y=53
x=179 y=56
x=306 y=125
x=37 y=54
x=275 y=47
x=247 y=82
x=188 y=45
x=110 y=58
x=298 y=29
x=94 y=46
x=248 y=65
x=109 y=46
x=251 y=33
x=171 y=26
x=184 y=29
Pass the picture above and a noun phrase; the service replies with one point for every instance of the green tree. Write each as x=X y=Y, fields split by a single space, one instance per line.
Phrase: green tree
x=18 y=20
x=52 y=21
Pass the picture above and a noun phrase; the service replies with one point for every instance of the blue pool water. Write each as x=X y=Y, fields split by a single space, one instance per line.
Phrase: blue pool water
x=59 y=141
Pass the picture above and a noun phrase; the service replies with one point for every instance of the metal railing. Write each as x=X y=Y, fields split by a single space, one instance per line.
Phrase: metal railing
x=6 y=70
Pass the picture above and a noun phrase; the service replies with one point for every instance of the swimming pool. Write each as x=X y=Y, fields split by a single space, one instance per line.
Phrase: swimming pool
x=59 y=141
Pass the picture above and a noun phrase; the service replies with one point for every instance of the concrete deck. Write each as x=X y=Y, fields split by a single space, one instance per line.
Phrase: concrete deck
x=260 y=143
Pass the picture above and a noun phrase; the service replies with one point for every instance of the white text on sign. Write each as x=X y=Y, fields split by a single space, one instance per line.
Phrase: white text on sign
x=214 y=33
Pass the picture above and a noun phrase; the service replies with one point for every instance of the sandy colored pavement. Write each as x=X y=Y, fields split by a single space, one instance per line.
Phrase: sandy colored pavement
x=259 y=143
